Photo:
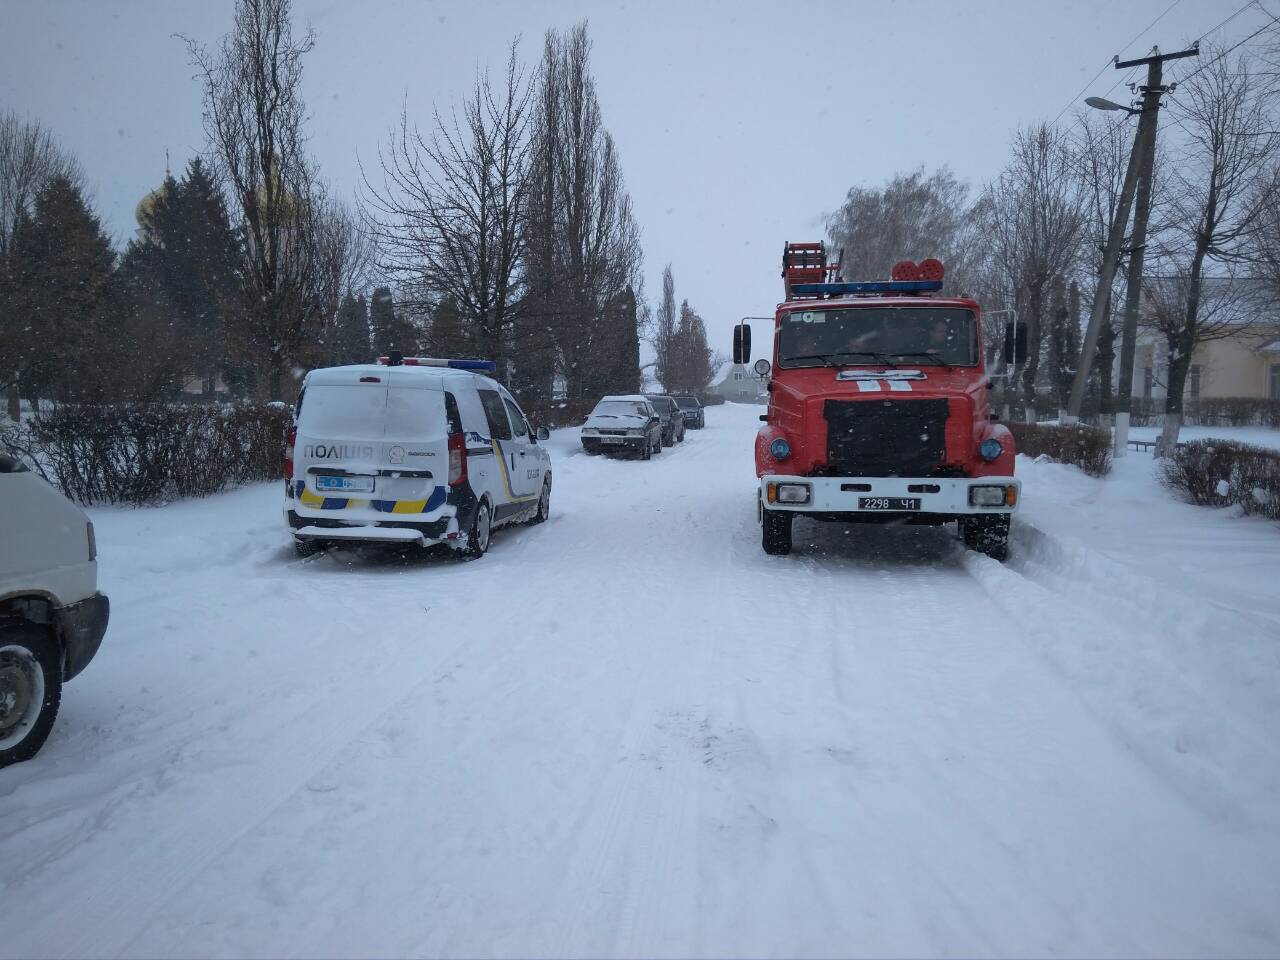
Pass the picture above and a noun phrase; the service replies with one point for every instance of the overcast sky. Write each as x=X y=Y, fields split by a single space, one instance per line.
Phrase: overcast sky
x=740 y=125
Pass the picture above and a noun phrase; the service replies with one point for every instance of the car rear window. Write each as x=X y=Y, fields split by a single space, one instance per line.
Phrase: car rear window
x=686 y=403
x=416 y=413
x=342 y=410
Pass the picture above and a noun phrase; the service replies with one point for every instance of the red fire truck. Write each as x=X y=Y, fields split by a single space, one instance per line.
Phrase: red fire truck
x=878 y=406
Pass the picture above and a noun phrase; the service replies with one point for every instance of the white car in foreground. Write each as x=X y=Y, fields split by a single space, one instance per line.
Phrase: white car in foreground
x=52 y=618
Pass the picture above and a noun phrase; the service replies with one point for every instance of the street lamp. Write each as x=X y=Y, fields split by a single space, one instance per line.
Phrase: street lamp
x=1101 y=103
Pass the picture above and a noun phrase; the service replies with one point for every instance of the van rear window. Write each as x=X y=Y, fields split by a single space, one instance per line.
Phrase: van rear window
x=342 y=411
x=416 y=414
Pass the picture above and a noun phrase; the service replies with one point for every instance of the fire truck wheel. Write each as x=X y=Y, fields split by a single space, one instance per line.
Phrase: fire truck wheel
x=989 y=535
x=776 y=532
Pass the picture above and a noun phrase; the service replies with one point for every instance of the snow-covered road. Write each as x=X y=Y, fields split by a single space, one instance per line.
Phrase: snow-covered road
x=629 y=732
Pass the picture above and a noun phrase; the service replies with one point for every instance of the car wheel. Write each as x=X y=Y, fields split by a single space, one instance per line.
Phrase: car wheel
x=30 y=690
x=544 y=504
x=481 y=531
x=776 y=531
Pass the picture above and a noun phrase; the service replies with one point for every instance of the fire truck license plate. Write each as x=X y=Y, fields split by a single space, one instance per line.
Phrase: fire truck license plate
x=888 y=503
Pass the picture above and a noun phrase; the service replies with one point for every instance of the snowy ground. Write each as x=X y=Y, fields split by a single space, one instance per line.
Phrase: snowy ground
x=629 y=732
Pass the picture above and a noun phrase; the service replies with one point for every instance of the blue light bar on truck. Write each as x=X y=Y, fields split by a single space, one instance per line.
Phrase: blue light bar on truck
x=865 y=286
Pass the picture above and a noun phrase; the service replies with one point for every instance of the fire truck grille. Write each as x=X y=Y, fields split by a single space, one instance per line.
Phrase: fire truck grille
x=885 y=438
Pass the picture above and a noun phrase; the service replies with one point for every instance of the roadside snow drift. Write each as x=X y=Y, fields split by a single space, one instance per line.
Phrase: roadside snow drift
x=628 y=732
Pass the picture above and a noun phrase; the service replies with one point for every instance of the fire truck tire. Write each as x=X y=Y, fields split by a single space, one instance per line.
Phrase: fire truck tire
x=776 y=532
x=989 y=535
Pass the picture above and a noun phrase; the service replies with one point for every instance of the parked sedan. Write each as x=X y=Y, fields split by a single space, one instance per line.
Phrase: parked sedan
x=691 y=407
x=672 y=418
x=623 y=424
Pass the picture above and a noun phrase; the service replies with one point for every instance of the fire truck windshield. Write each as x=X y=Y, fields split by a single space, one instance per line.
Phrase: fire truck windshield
x=924 y=335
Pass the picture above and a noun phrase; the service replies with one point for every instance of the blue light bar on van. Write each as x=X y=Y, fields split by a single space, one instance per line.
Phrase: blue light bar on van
x=487 y=365
x=865 y=286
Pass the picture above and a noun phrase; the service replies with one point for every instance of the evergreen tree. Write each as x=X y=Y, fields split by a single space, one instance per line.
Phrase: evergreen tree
x=187 y=243
x=391 y=330
x=350 y=343
x=59 y=270
x=449 y=335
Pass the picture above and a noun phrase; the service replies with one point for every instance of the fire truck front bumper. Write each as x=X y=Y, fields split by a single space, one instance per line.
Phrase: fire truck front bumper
x=930 y=499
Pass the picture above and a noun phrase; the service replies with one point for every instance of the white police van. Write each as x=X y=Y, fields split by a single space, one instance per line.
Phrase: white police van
x=411 y=450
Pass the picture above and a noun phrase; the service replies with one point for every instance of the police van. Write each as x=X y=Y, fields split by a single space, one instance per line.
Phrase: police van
x=414 y=451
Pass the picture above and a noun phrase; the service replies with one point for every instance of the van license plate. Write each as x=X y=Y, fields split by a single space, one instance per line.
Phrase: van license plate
x=888 y=503
x=353 y=484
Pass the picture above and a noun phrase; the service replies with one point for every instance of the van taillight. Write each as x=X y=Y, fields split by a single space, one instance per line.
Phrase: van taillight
x=289 y=440
x=457 y=458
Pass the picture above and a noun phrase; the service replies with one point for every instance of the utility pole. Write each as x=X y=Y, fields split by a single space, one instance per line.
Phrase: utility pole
x=1137 y=179
x=1138 y=245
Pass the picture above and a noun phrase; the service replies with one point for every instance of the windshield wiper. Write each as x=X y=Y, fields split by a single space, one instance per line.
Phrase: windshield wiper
x=930 y=355
x=835 y=359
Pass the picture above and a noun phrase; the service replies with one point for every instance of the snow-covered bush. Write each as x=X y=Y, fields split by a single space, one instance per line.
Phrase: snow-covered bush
x=1221 y=473
x=150 y=453
x=1088 y=448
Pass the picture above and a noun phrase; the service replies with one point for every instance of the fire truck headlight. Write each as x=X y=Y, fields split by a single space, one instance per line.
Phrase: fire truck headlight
x=990 y=449
x=988 y=496
x=779 y=449
x=793 y=492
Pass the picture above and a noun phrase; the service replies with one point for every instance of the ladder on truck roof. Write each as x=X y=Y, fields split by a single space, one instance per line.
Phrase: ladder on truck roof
x=807 y=263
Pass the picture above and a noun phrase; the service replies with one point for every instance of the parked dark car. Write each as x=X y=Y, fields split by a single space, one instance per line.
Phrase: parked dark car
x=623 y=424
x=672 y=418
x=691 y=407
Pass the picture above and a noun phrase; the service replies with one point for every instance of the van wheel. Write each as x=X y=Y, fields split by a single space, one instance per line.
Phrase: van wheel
x=307 y=547
x=481 y=531
x=989 y=535
x=776 y=532
x=30 y=690
x=544 y=504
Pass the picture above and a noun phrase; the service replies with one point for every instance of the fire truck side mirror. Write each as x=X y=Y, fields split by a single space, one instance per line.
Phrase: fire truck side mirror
x=742 y=343
x=1015 y=344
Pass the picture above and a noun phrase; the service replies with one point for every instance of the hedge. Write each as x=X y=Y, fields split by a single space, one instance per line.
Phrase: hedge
x=153 y=453
x=1088 y=448
x=1220 y=473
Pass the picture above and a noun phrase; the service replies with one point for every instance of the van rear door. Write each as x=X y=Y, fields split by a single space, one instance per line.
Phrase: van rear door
x=340 y=428
x=413 y=458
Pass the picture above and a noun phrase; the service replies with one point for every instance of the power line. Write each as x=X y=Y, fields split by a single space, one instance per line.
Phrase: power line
x=1140 y=34
x=1238 y=43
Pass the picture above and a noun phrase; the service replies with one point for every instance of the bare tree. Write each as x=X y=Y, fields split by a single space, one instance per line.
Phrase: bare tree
x=449 y=213
x=29 y=159
x=1224 y=189
x=254 y=115
x=912 y=217
x=1102 y=147
x=1036 y=218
